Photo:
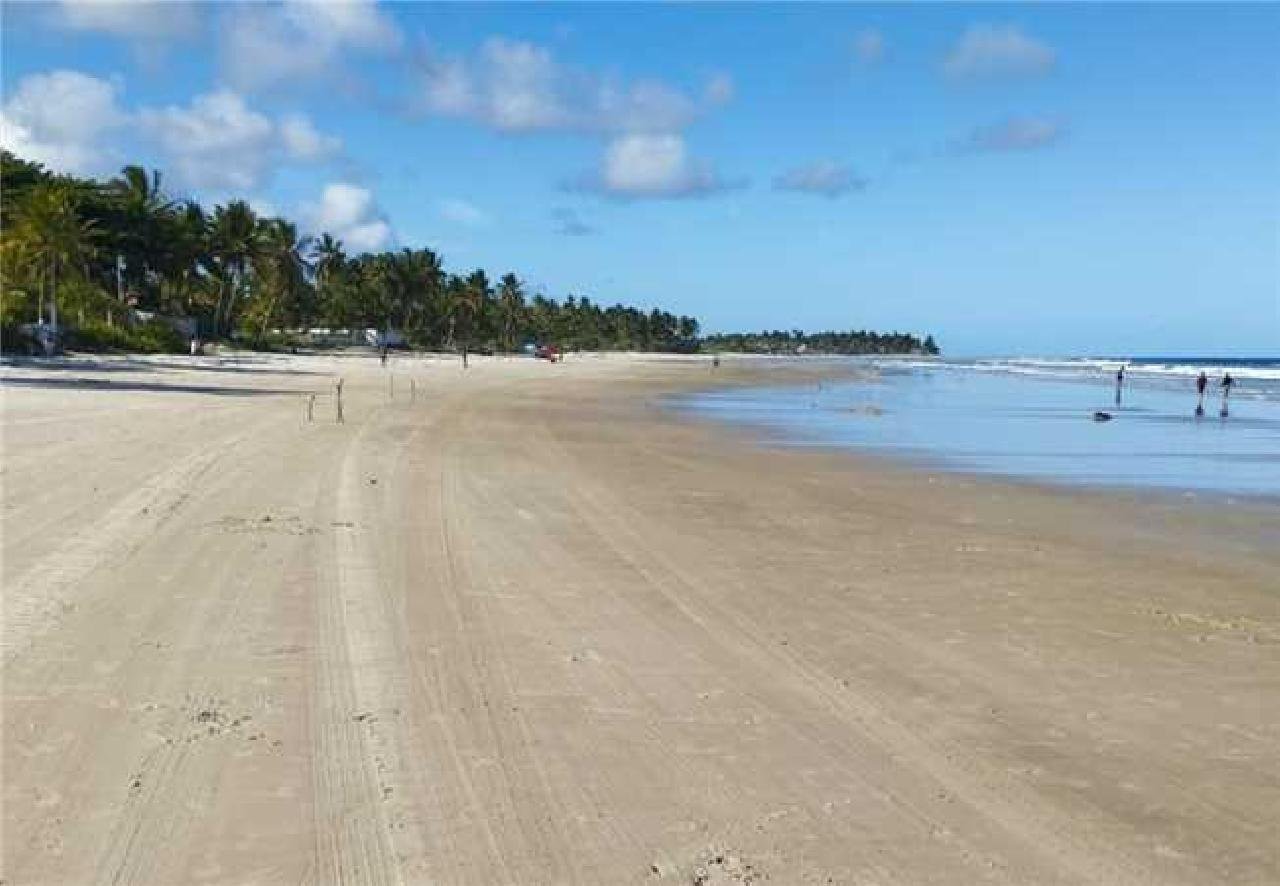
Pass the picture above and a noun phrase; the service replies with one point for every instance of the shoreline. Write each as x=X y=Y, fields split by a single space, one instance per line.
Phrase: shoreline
x=533 y=626
x=1027 y=433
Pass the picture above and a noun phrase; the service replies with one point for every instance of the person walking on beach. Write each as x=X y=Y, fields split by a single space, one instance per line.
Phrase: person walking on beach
x=1227 y=382
x=1201 y=383
x=1119 y=383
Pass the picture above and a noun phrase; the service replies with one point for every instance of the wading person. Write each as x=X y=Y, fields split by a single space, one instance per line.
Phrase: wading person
x=1119 y=384
x=1227 y=382
x=1201 y=383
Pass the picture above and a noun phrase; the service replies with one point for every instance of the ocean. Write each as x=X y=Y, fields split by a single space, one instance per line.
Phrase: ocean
x=1035 y=418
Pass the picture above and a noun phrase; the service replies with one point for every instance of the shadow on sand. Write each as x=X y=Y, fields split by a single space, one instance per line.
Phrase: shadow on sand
x=103 y=384
x=233 y=365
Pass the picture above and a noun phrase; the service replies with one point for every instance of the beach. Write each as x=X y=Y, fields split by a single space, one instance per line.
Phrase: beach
x=525 y=624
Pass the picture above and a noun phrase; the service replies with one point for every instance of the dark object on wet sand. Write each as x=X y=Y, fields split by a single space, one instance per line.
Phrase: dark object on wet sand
x=1102 y=416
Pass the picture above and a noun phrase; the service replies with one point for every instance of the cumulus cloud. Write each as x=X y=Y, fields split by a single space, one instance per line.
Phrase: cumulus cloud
x=70 y=122
x=1015 y=134
x=569 y=223
x=461 y=212
x=868 y=47
x=824 y=177
x=351 y=214
x=644 y=165
x=219 y=143
x=516 y=86
x=993 y=51
x=302 y=141
x=300 y=42
x=146 y=21
x=61 y=118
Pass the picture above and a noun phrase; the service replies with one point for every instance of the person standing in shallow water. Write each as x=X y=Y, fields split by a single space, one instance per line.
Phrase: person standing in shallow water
x=1227 y=382
x=1119 y=384
x=1201 y=383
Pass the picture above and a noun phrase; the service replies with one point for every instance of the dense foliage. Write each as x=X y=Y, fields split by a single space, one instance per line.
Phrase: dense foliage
x=94 y=250
x=795 y=341
x=91 y=255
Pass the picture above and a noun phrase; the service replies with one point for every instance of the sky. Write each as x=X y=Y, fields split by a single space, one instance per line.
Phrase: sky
x=1014 y=179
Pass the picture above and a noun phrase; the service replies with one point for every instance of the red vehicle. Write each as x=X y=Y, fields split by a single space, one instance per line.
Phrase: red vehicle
x=547 y=352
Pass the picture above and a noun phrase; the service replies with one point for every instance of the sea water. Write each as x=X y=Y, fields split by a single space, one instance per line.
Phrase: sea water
x=1035 y=418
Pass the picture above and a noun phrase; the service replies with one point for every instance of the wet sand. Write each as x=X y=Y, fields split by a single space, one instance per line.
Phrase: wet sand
x=531 y=627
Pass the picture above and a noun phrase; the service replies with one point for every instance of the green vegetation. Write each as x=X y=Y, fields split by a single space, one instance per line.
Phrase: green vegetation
x=89 y=255
x=797 y=342
x=94 y=258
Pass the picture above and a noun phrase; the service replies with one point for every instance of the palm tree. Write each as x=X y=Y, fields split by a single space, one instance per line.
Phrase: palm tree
x=143 y=211
x=511 y=304
x=184 y=250
x=52 y=235
x=328 y=258
x=284 y=268
x=417 y=275
x=234 y=238
x=468 y=306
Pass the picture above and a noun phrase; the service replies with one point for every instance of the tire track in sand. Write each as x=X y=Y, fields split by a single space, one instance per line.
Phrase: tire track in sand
x=1009 y=807
x=364 y=833
x=36 y=601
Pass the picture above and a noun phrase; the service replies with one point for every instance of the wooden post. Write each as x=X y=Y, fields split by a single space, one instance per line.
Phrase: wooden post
x=341 y=420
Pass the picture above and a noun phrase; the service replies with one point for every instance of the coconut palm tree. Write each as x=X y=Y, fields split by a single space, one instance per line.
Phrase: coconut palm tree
x=51 y=234
x=418 y=276
x=142 y=212
x=511 y=306
x=283 y=268
x=235 y=244
x=327 y=258
x=469 y=303
x=184 y=252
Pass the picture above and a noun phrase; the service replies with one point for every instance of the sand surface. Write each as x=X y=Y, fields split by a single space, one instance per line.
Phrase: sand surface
x=529 y=627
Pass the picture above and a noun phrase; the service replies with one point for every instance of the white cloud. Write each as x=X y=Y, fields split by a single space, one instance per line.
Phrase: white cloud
x=992 y=51
x=1015 y=134
x=719 y=89
x=642 y=165
x=302 y=142
x=135 y=20
x=824 y=177
x=516 y=86
x=219 y=143
x=463 y=213
x=350 y=213
x=300 y=42
x=868 y=47
x=60 y=119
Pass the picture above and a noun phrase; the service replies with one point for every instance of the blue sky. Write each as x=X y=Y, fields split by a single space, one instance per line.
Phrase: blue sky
x=1033 y=179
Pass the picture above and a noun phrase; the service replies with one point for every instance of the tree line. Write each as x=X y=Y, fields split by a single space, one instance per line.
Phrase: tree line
x=795 y=341
x=90 y=254
x=92 y=257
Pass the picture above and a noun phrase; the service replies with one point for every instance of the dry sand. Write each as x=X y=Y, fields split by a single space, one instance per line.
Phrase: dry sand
x=528 y=627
